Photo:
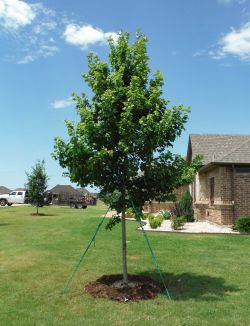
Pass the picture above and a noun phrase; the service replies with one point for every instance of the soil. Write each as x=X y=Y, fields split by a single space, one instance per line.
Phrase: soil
x=41 y=214
x=111 y=287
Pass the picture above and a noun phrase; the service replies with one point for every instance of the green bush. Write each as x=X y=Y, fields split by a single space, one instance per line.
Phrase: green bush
x=177 y=222
x=129 y=213
x=184 y=207
x=154 y=221
x=165 y=214
x=145 y=216
x=149 y=217
x=243 y=225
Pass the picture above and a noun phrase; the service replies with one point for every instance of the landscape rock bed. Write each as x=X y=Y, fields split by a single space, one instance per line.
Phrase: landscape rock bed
x=189 y=227
x=193 y=227
x=111 y=287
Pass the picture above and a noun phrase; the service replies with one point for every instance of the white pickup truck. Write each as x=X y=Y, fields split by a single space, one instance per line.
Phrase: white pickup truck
x=15 y=197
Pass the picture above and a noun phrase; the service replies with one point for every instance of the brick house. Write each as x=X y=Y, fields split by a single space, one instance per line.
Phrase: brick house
x=155 y=206
x=221 y=189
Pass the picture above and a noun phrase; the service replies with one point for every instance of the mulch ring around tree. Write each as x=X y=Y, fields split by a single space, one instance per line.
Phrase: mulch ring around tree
x=41 y=214
x=112 y=287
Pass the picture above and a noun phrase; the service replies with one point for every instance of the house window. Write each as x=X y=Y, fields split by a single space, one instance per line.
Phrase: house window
x=212 y=191
x=242 y=170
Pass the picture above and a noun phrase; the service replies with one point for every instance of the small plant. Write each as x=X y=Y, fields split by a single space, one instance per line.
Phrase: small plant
x=129 y=213
x=165 y=214
x=145 y=216
x=154 y=221
x=176 y=210
x=149 y=216
x=177 y=222
x=186 y=204
x=242 y=225
x=184 y=207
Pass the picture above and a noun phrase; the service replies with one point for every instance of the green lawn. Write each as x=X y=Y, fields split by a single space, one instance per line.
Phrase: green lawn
x=207 y=275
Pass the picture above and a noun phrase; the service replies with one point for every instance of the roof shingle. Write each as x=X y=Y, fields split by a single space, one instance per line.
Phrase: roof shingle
x=221 y=148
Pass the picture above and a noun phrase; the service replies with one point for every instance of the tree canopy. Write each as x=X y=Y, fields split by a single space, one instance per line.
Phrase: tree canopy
x=125 y=134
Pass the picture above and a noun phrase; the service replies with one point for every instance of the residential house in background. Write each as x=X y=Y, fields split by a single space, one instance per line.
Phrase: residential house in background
x=64 y=193
x=221 y=189
x=4 y=190
x=83 y=191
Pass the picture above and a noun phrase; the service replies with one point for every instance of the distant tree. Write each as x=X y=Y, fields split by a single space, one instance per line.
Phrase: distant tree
x=37 y=184
x=123 y=139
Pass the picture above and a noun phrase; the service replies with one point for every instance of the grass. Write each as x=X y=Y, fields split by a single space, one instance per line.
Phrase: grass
x=207 y=275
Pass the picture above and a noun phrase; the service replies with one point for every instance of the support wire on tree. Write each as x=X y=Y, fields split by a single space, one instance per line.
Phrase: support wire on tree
x=84 y=254
x=138 y=217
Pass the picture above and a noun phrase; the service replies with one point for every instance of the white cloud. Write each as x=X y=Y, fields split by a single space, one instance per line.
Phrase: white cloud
x=27 y=59
x=39 y=7
x=15 y=14
x=228 y=2
x=47 y=50
x=86 y=35
x=44 y=51
x=43 y=28
x=235 y=43
x=112 y=35
x=61 y=104
x=40 y=28
x=199 y=53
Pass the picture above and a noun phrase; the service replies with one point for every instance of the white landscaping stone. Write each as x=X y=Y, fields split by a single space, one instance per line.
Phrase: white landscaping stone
x=192 y=227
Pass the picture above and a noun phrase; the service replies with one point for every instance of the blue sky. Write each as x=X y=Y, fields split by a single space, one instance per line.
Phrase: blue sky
x=202 y=48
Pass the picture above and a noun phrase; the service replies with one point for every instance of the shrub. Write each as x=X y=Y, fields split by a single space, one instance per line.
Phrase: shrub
x=155 y=222
x=184 y=207
x=149 y=217
x=186 y=203
x=177 y=222
x=243 y=225
x=129 y=213
x=176 y=210
x=145 y=216
x=165 y=214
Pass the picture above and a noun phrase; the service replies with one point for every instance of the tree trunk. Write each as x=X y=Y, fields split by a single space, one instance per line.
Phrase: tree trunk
x=124 y=249
x=37 y=210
